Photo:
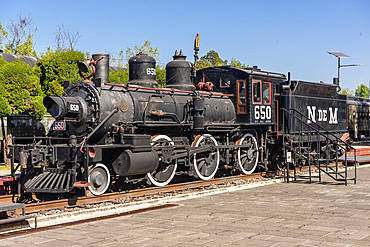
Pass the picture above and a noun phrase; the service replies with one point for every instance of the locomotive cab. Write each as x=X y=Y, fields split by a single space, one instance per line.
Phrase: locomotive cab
x=253 y=92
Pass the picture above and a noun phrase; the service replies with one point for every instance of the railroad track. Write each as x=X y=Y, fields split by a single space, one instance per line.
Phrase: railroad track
x=36 y=207
x=83 y=200
x=91 y=202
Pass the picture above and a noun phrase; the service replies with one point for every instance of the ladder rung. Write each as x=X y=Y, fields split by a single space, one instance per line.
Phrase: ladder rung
x=331 y=166
x=333 y=172
x=307 y=176
x=343 y=179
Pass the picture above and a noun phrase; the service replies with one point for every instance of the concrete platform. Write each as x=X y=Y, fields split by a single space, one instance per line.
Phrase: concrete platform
x=294 y=214
x=359 y=159
x=7 y=173
x=361 y=150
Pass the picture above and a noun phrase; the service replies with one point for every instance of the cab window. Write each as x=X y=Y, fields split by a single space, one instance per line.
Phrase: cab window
x=256 y=88
x=241 y=92
x=266 y=92
x=241 y=100
x=225 y=82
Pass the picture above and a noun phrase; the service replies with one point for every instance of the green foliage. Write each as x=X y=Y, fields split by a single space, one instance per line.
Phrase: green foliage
x=118 y=77
x=347 y=91
x=213 y=59
x=25 y=48
x=19 y=36
x=117 y=61
x=236 y=63
x=20 y=90
x=3 y=34
x=37 y=109
x=55 y=67
x=145 y=48
x=2 y=62
x=210 y=59
x=160 y=76
x=5 y=109
x=362 y=91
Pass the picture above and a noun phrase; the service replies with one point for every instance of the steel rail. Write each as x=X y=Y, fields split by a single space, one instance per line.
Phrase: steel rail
x=79 y=201
x=91 y=199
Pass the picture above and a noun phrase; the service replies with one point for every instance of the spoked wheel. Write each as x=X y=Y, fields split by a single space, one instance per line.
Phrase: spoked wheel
x=206 y=163
x=247 y=157
x=166 y=170
x=99 y=177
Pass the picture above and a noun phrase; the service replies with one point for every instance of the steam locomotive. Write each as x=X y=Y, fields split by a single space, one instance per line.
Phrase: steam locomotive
x=219 y=118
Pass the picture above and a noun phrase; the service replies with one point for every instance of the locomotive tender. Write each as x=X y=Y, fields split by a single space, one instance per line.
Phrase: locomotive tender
x=224 y=118
x=359 y=117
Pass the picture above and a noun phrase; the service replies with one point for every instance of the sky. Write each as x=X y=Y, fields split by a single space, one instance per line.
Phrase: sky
x=278 y=36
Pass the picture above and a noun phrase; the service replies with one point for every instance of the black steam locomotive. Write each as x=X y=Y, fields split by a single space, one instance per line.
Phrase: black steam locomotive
x=222 y=118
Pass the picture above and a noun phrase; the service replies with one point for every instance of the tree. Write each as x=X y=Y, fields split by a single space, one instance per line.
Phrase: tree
x=19 y=36
x=213 y=59
x=237 y=63
x=65 y=40
x=117 y=61
x=210 y=59
x=362 y=91
x=55 y=67
x=145 y=48
x=347 y=91
x=3 y=35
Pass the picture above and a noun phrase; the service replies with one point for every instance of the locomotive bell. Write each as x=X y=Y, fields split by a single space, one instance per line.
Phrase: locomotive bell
x=84 y=66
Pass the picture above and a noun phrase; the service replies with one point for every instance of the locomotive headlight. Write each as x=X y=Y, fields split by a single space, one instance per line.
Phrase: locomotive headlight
x=63 y=107
x=54 y=106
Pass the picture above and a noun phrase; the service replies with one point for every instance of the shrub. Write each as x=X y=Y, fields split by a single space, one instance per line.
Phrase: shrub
x=54 y=68
x=21 y=89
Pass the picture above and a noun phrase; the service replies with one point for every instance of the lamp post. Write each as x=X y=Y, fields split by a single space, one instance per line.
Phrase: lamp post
x=339 y=55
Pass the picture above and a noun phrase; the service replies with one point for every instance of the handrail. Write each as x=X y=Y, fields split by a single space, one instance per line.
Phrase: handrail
x=320 y=130
x=317 y=130
x=327 y=131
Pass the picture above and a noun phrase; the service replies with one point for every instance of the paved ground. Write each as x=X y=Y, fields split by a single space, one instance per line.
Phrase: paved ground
x=7 y=173
x=294 y=214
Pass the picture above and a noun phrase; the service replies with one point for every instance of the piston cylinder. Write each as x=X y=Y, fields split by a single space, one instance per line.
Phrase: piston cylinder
x=129 y=163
